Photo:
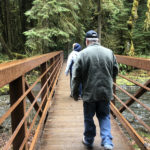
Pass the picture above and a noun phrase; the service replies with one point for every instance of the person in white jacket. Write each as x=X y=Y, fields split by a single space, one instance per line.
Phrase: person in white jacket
x=71 y=59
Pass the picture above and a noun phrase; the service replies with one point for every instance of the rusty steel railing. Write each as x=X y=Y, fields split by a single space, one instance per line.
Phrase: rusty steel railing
x=24 y=133
x=117 y=111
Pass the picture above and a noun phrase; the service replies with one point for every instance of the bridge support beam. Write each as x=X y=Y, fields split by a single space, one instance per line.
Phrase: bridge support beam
x=43 y=80
x=138 y=94
x=17 y=89
x=49 y=73
x=114 y=91
x=31 y=98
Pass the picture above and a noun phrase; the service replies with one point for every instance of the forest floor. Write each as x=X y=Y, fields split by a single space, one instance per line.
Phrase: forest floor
x=137 y=75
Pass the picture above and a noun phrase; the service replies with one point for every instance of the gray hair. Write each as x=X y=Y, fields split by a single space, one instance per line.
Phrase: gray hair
x=93 y=40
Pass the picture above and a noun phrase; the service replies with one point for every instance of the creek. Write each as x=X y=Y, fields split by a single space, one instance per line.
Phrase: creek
x=5 y=104
x=5 y=128
x=139 y=110
x=136 y=107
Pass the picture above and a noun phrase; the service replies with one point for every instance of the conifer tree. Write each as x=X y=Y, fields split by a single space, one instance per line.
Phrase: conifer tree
x=56 y=23
x=141 y=37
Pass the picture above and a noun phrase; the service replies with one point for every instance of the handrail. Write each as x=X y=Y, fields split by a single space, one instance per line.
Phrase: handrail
x=50 y=65
x=16 y=68
x=19 y=89
x=143 y=64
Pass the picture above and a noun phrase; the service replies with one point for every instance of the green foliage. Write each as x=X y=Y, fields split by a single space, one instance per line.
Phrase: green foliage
x=114 y=28
x=141 y=37
x=115 y=34
x=4 y=90
x=147 y=20
x=123 y=68
x=56 y=24
x=32 y=76
x=3 y=58
x=137 y=75
x=121 y=81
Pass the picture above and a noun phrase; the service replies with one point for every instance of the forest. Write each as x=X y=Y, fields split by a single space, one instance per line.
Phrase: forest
x=33 y=27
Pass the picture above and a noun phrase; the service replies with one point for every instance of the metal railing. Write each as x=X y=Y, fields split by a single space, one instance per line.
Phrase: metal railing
x=21 y=94
x=125 y=105
x=25 y=133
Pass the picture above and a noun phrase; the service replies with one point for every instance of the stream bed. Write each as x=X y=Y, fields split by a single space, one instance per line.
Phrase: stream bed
x=5 y=128
x=139 y=110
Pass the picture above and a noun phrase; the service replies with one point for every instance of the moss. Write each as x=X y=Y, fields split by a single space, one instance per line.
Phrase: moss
x=121 y=81
x=136 y=3
x=140 y=76
x=19 y=56
x=136 y=147
x=4 y=90
x=145 y=135
x=131 y=53
x=3 y=58
x=32 y=76
x=134 y=9
x=130 y=24
x=147 y=20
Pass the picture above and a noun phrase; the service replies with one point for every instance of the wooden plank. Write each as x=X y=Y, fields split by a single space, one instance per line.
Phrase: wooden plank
x=65 y=126
x=48 y=104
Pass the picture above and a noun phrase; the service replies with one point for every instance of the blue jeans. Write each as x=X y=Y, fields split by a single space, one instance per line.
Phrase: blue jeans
x=102 y=111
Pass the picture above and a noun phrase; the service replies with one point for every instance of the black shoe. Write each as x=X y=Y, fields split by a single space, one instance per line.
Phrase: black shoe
x=79 y=98
x=88 y=146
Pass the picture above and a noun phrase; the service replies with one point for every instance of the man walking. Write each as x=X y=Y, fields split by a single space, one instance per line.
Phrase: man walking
x=95 y=68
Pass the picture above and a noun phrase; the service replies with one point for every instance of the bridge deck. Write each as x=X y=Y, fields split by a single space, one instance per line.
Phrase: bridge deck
x=64 y=126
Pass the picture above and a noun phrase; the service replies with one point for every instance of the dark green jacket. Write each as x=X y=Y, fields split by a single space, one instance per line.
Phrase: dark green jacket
x=95 y=68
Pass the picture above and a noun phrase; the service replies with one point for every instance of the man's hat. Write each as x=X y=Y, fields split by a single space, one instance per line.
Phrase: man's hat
x=77 y=47
x=91 y=34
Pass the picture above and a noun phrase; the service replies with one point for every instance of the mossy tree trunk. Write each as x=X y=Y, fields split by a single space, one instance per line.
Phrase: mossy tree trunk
x=147 y=20
x=99 y=19
x=6 y=48
x=12 y=25
x=131 y=22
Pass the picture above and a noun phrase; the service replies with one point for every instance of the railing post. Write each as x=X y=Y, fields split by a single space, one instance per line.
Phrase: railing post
x=49 y=73
x=43 y=80
x=53 y=60
x=17 y=88
x=53 y=76
x=62 y=54
x=114 y=91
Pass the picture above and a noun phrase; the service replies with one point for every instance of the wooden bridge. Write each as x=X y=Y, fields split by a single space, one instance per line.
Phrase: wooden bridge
x=50 y=119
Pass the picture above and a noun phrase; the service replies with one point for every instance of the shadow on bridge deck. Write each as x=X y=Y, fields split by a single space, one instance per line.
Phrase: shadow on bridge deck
x=64 y=126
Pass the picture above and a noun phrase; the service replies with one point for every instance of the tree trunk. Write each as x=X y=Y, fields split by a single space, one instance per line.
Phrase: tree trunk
x=7 y=9
x=99 y=20
x=5 y=47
